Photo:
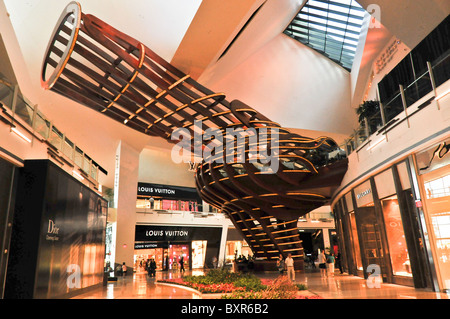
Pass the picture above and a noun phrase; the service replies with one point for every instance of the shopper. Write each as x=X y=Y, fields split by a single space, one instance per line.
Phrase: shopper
x=338 y=262
x=280 y=264
x=151 y=267
x=290 y=267
x=182 y=264
x=330 y=265
x=124 y=269
x=166 y=263
x=322 y=264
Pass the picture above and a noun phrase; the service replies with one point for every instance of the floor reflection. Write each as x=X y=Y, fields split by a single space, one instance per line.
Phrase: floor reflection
x=339 y=286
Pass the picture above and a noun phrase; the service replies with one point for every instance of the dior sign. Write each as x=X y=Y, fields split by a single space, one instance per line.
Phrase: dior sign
x=52 y=231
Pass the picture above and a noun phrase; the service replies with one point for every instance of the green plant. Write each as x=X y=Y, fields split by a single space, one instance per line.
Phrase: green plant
x=302 y=287
x=367 y=109
x=249 y=282
x=281 y=288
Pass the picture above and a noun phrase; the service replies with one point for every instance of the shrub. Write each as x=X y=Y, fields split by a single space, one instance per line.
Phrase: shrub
x=250 y=282
x=218 y=276
x=241 y=286
x=281 y=288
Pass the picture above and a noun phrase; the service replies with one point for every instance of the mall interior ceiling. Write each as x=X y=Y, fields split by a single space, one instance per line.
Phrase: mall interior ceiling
x=236 y=39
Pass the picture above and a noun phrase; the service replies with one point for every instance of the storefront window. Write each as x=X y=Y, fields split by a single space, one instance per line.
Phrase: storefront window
x=396 y=237
x=144 y=255
x=235 y=249
x=198 y=253
x=398 y=250
x=356 y=248
x=175 y=254
x=437 y=188
x=167 y=204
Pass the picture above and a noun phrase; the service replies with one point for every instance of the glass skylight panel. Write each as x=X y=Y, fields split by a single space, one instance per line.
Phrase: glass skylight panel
x=331 y=27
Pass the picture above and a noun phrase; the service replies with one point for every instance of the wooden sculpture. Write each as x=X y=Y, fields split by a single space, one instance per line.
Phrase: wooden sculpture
x=98 y=66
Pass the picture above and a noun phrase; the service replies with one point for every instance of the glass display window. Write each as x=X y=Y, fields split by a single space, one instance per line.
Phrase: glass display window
x=356 y=247
x=175 y=253
x=144 y=256
x=398 y=250
x=198 y=253
x=235 y=249
x=437 y=198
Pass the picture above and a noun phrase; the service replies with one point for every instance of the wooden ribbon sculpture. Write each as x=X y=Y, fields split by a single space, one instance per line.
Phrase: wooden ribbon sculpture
x=98 y=66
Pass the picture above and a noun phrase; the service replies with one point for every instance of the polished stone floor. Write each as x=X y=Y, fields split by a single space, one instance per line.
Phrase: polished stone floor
x=339 y=286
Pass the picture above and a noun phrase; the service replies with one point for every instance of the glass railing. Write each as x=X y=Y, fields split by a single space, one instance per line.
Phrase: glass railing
x=436 y=75
x=441 y=70
x=34 y=121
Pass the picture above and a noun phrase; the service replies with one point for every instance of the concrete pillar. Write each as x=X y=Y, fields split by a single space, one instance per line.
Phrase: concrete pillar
x=223 y=245
x=326 y=239
x=125 y=194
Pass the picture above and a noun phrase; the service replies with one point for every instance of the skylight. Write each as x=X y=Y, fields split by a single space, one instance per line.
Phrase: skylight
x=331 y=27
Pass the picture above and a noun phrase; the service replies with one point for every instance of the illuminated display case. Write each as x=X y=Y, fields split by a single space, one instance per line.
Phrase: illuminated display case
x=433 y=167
x=198 y=245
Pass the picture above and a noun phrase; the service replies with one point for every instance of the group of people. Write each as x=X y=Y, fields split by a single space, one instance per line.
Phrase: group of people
x=326 y=265
x=150 y=266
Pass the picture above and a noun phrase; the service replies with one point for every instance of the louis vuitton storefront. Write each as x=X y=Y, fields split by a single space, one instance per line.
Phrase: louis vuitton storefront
x=166 y=244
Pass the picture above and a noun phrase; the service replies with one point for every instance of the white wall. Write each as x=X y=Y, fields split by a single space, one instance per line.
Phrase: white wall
x=156 y=166
x=425 y=128
x=292 y=85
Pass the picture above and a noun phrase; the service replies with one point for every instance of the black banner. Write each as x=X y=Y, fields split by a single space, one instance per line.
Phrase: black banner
x=157 y=233
x=168 y=191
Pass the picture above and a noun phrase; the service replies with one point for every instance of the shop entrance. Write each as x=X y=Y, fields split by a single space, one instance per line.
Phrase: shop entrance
x=165 y=258
x=371 y=244
x=177 y=252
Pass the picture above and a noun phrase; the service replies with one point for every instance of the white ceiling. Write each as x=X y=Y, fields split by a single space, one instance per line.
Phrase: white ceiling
x=161 y=25
x=166 y=27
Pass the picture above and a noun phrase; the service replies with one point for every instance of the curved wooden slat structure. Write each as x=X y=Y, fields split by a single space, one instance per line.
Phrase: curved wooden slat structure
x=98 y=66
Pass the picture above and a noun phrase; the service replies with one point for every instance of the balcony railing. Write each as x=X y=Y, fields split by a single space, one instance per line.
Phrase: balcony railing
x=436 y=74
x=21 y=112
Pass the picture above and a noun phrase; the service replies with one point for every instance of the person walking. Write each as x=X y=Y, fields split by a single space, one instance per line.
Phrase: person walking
x=124 y=269
x=290 y=267
x=338 y=262
x=280 y=264
x=151 y=268
x=182 y=264
x=330 y=265
x=322 y=264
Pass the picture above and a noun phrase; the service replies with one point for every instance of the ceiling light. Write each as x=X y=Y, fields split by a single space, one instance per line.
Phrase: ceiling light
x=440 y=96
x=77 y=175
x=20 y=134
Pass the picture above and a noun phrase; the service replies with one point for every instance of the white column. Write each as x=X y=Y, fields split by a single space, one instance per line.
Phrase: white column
x=223 y=244
x=326 y=239
x=125 y=194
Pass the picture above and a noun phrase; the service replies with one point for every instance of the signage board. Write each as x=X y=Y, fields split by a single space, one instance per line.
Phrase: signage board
x=158 y=233
x=168 y=191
